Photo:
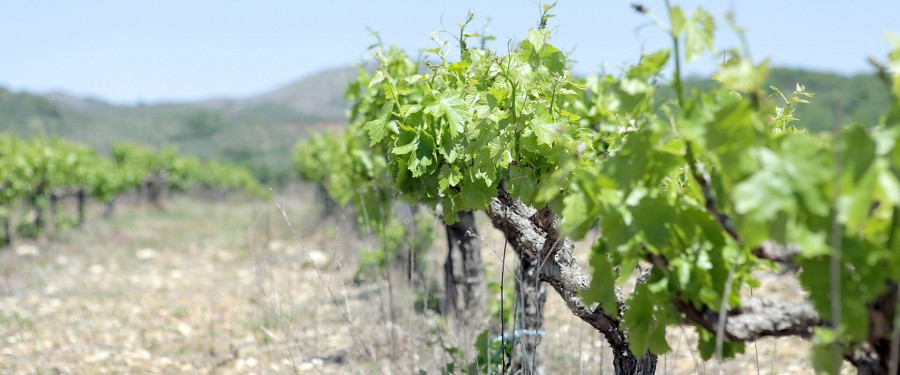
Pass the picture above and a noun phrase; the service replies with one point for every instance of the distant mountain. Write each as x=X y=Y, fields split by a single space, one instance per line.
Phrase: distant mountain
x=260 y=131
x=77 y=103
x=322 y=93
x=257 y=131
x=862 y=98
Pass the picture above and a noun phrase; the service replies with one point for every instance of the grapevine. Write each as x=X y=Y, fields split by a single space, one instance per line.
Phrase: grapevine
x=42 y=171
x=692 y=195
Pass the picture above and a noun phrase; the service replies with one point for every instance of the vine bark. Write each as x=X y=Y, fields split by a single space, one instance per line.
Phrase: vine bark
x=532 y=232
x=531 y=295
x=463 y=277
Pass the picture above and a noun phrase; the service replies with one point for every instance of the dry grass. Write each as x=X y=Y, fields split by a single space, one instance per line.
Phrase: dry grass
x=238 y=287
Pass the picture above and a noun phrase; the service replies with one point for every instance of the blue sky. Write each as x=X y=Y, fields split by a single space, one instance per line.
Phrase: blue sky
x=165 y=50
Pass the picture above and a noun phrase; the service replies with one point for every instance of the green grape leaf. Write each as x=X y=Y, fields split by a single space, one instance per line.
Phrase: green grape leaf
x=499 y=94
x=857 y=151
x=698 y=34
x=603 y=283
x=453 y=107
x=538 y=38
x=638 y=321
x=823 y=350
x=657 y=342
x=544 y=128
x=633 y=86
x=459 y=67
x=811 y=243
x=765 y=193
x=650 y=66
x=888 y=183
x=552 y=185
x=476 y=194
x=615 y=229
x=449 y=176
x=646 y=330
x=743 y=75
x=379 y=127
x=423 y=157
x=707 y=346
x=418 y=164
x=676 y=17
x=407 y=142
x=654 y=216
x=541 y=54
x=522 y=183
x=377 y=78
x=855 y=205
x=578 y=216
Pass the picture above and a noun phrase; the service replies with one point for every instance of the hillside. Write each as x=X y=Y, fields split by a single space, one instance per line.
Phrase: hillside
x=260 y=131
x=256 y=131
x=862 y=97
x=321 y=93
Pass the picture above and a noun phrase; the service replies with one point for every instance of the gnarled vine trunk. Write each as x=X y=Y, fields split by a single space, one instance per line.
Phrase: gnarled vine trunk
x=463 y=276
x=625 y=363
x=7 y=233
x=80 y=195
x=54 y=209
x=36 y=205
x=876 y=356
x=534 y=235
x=532 y=232
x=329 y=206
x=109 y=208
x=531 y=295
x=154 y=192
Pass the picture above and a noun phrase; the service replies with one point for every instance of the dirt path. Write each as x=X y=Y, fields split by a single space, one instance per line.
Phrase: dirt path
x=232 y=288
x=193 y=288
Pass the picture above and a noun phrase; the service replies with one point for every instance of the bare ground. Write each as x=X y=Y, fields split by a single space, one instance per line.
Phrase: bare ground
x=233 y=287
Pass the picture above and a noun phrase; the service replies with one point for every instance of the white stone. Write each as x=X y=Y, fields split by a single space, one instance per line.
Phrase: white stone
x=27 y=250
x=318 y=257
x=185 y=330
x=98 y=357
x=146 y=254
